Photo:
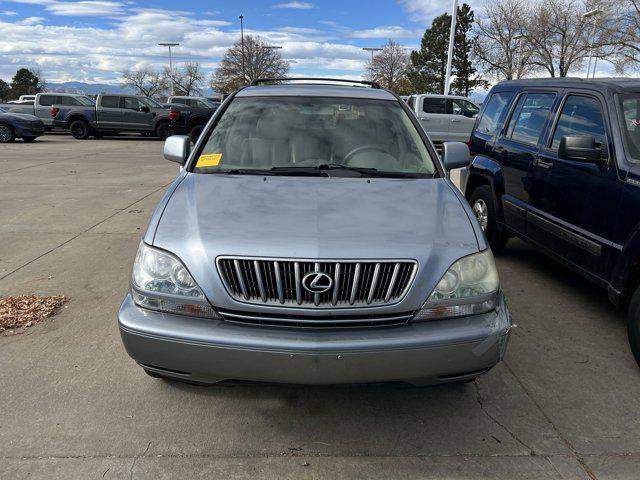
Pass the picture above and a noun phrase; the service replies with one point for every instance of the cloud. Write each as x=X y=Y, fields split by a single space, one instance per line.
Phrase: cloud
x=385 y=32
x=425 y=10
x=8 y=13
x=296 y=5
x=31 y=21
x=84 y=8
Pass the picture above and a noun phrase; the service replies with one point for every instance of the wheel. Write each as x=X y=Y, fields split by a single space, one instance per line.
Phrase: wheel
x=7 y=135
x=195 y=133
x=28 y=139
x=80 y=129
x=633 y=325
x=162 y=131
x=485 y=208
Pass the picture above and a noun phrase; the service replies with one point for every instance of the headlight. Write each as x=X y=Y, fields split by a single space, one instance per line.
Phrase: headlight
x=161 y=282
x=469 y=287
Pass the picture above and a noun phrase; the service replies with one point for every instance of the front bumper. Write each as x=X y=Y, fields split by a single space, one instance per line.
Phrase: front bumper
x=211 y=351
x=30 y=130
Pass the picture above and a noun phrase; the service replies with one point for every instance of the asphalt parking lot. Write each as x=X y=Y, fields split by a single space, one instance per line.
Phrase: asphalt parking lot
x=563 y=405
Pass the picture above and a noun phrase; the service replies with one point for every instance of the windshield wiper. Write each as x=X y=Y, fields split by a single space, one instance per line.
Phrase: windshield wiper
x=323 y=167
x=239 y=171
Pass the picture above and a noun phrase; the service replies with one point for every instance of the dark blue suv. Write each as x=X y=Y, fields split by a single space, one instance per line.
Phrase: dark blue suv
x=556 y=162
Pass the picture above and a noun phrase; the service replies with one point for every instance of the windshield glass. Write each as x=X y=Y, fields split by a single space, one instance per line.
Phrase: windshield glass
x=630 y=106
x=289 y=135
x=86 y=101
x=150 y=102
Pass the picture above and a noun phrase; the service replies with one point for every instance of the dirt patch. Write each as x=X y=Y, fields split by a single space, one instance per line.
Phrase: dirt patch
x=19 y=312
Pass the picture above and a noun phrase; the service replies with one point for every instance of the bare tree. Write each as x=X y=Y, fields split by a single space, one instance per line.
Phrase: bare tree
x=389 y=68
x=240 y=68
x=560 y=36
x=146 y=82
x=626 y=27
x=187 y=79
x=499 y=45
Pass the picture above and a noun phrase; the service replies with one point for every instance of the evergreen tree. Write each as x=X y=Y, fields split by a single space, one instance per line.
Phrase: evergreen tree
x=5 y=90
x=26 y=82
x=429 y=64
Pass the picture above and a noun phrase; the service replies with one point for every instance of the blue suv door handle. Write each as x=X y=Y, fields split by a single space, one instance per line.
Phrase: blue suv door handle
x=542 y=164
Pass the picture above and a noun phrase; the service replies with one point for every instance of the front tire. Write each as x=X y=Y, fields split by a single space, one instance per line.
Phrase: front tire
x=195 y=133
x=7 y=135
x=633 y=325
x=80 y=129
x=485 y=208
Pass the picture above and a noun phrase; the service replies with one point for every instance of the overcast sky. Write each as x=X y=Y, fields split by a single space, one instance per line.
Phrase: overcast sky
x=95 y=40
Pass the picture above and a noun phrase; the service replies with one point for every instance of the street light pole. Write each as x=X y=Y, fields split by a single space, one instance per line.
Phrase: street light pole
x=452 y=36
x=244 y=73
x=519 y=63
x=372 y=50
x=592 y=13
x=170 y=44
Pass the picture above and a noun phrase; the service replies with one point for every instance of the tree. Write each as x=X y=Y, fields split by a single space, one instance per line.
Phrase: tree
x=389 y=68
x=560 y=36
x=186 y=80
x=27 y=82
x=429 y=64
x=466 y=77
x=5 y=91
x=498 y=45
x=146 y=82
x=239 y=68
x=625 y=26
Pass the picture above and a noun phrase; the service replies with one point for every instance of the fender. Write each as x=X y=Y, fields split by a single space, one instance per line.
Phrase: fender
x=489 y=171
x=159 y=119
x=197 y=119
x=86 y=114
x=628 y=263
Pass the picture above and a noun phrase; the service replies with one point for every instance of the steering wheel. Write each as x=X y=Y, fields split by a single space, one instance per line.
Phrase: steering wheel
x=363 y=148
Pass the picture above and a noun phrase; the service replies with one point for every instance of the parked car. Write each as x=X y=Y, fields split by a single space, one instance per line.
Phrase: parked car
x=19 y=125
x=445 y=117
x=189 y=115
x=112 y=114
x=313 y=237
x=557 y=163
x=41 y=107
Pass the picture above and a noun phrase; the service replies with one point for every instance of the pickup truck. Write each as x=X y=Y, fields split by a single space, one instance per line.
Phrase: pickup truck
x=189 y=115
x=445 y=118
x=41 y=106
x=113 y=114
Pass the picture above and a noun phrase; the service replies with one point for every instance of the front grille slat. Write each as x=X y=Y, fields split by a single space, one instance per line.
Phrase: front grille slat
x=355 y=283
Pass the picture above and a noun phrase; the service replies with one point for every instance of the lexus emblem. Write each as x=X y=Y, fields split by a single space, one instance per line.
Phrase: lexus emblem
x=317 y=282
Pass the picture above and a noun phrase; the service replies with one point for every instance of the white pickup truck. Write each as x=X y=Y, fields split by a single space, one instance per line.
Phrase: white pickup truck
x=445 y=118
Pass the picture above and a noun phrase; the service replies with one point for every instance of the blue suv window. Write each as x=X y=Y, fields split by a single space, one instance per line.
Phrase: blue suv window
x=529 y=117
x=497 y=104
x=580 y=116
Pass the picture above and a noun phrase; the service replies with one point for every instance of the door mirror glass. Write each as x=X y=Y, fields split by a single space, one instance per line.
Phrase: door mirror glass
x=581 y=148
x=144 y=109
x=177 y=149
x=455 y=155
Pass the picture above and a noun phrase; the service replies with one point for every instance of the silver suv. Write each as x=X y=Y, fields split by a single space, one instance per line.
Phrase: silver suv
x=312 y=236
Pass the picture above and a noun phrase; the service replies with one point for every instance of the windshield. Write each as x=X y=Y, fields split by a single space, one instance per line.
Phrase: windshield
x=86 y=101
x=630 y=106
x=150 y=102
x=294 y=135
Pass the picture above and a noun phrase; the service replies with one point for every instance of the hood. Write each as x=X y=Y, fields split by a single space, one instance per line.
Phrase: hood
x=20 y=116
x=314 y=218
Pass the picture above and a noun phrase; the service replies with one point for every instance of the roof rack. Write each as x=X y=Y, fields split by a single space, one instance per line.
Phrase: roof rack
x=261 y=81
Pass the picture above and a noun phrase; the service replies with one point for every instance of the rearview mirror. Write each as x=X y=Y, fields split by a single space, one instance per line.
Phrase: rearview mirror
x=177 y=149
x=581 y=148
x=144 y=108
x=455 y=155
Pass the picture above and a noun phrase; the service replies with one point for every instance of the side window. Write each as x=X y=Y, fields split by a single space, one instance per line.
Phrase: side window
x=491 y=115
x=463 y=107
x=69 y=101
x=47 y=100
x=131 y=103
x=580 y=116
x=181 y=101
x=110 y=102
x=434 y=105
x=199 y=104
x=529 y=117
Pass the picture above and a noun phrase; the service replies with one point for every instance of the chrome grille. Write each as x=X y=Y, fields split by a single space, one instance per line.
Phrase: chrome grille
x=356 y=283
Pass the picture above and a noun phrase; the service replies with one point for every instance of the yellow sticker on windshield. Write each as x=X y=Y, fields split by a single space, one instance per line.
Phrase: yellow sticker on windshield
x=209 y=160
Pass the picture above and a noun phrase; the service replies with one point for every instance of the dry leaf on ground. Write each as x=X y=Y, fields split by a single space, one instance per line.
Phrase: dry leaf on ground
x=22 y=311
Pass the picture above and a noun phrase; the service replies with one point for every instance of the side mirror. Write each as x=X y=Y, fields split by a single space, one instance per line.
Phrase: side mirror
x=580 y=148
x=144 y=109
x=455 y=155
x=177 y=149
